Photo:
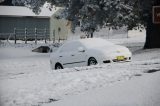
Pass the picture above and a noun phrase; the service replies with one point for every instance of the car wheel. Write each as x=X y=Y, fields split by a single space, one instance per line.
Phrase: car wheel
x=58 y=66
x=92 y=61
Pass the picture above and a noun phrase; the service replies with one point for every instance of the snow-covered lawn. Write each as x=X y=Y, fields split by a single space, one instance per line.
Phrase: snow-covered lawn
x=27 y=80
x=139 y=91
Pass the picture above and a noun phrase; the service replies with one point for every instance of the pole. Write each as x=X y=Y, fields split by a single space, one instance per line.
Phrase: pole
x=58 y=37
x=35 y=35
x=108 y=32
x=25 y=37
x=127 y=34
x=45 y=34
x=15 y=37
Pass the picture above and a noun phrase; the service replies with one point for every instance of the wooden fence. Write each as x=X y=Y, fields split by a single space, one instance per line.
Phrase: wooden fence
x=27 y=34
x=31 y=35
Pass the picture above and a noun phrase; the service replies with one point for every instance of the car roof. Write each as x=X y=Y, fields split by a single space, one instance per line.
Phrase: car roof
x=94 y=42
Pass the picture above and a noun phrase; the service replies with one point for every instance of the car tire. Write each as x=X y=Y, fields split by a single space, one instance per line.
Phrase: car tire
x=58 y=66
x=92 y=61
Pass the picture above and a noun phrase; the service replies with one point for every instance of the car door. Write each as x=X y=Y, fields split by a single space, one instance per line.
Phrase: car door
x=66 y=55
x=79 y=57
x=69 y=55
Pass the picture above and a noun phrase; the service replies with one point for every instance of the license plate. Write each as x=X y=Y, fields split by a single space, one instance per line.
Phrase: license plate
x=120 y=58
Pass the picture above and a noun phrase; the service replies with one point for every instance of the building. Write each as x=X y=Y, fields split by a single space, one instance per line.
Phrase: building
x=19 y=17
x=60 y=28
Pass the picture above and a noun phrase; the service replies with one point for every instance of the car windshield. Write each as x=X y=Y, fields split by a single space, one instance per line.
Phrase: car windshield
x=96 y=42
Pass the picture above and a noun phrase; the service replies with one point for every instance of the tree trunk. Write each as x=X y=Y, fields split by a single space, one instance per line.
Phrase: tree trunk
x=152 y=30
x=92 y=35
x=152 y=35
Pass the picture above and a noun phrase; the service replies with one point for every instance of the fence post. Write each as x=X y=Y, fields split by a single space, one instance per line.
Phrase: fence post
x=35 y=35
x=9 y=37
x=15 y=37
x=25 y=37
x=45 y=34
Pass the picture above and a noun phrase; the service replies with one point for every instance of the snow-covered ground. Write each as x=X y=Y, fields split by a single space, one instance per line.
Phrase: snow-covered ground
x=27 y=80
x=139 y=91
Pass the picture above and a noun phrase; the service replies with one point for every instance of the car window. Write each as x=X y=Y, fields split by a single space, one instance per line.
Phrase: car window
x=70 y=47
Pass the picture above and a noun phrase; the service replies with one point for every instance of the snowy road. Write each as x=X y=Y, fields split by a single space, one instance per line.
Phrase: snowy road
x=26 y=78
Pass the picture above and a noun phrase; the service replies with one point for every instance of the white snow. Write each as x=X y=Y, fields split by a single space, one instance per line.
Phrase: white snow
x=97 y=42
x=27 y=80
x=18 y=11
x=140 y=91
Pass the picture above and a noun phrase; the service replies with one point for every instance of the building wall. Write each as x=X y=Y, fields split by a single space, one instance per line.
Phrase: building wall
x=7 y=24
x=59 y=29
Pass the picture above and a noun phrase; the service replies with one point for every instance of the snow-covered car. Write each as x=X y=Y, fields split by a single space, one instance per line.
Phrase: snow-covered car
x=86 y=52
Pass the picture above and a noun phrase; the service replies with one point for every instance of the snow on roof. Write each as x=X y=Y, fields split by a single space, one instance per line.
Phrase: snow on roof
x=19 y=11
x=95 y=42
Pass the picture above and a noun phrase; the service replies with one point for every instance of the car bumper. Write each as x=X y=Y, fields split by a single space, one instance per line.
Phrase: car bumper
x=117 y=58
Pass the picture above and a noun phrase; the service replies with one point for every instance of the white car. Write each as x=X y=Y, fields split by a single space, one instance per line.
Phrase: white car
x=86 y=52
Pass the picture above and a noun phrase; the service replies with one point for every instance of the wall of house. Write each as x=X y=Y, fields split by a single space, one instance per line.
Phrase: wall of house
x=7 y=24
x=59 y=30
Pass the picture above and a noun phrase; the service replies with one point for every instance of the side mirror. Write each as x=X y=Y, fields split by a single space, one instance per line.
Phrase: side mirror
x=81 y=49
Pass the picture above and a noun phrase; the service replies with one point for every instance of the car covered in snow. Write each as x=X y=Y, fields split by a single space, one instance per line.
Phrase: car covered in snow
x=86 y=52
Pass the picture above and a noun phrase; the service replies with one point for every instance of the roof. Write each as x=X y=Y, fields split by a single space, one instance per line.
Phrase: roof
x=21 y=11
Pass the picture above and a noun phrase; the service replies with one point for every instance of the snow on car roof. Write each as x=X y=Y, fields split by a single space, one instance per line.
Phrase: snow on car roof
x=95 y=42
